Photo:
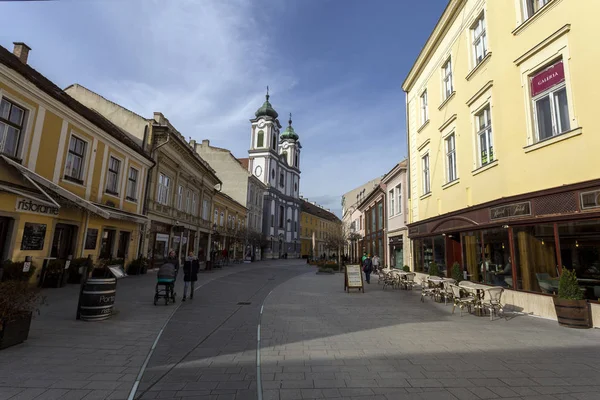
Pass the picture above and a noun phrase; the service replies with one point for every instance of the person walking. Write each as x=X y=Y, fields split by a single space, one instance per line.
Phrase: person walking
x=364 y=257
x=376 y=264
x=190 y=275
x=368 y=268
x=173 y=259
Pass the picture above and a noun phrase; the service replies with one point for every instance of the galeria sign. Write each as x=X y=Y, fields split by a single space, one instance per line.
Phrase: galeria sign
x=31 y=206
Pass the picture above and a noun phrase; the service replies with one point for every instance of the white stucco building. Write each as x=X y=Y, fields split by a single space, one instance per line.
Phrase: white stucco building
x=395 y=183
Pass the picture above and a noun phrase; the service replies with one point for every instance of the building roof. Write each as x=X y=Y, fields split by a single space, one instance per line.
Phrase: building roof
x=244 y=162
x=289 y=132
x=317 y=211
x=41 y=82
x=394 y=171
x=370 y=196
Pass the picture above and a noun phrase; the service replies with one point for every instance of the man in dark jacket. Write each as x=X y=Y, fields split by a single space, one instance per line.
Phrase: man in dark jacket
x=190 y=274
x=368 y=268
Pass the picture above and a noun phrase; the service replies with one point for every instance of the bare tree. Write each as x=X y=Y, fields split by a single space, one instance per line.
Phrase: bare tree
x=337 y=240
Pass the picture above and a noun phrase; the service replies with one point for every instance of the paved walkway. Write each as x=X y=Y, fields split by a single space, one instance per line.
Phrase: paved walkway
x=68 y=359
x=320 y=342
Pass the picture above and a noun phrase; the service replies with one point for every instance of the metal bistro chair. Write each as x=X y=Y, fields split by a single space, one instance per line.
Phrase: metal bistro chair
x=462 y=299
x=409 y=281
x=492 y=301
x=389 y=280
x=446 y=292
x=383 y=275
x=427 y=289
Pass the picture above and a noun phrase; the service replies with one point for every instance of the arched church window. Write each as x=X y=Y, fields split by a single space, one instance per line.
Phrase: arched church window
x=260 y=139
x=281 y=179
x=274 y=142
x=273 y=173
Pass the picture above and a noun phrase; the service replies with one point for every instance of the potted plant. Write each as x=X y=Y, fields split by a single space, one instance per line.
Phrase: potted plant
x=433 y=269
x=13 y=271
x=571 y=309
x=457 y=273
x=53 y=275
x=406 y=268
x=18 y=301
x=75 y=269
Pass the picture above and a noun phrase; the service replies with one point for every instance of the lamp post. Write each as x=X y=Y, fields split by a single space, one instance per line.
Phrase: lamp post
x=280 y=243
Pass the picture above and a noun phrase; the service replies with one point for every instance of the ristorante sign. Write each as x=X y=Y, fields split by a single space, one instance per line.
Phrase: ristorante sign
x=31 y=206
x=547 y=78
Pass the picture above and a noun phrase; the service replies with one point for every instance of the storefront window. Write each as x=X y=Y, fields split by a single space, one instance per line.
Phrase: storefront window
x=496 y=268
x=580 y=251
x=535 y=257
x=427 y=254
x=418 y=255
x=439 y=252
x=471 y=242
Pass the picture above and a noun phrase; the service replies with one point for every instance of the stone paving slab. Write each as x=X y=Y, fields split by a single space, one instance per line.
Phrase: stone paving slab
x=321 y=342
x=69 y=359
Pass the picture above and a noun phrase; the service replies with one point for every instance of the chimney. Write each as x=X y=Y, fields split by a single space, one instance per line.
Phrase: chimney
x=193 y=144
x=21 y=50
x=205 y=142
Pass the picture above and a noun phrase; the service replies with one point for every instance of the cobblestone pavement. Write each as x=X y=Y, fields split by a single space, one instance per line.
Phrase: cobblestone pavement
x=320 y=342
x=68 y=359
x=208 y=349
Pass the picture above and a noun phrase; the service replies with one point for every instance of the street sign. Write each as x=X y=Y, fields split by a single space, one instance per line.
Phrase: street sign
x=26 y=266
x=353 y=278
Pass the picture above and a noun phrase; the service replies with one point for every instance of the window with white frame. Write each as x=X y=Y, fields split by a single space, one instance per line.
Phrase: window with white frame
x=447 y=86
x=162 y=195
x=530 y=7
x=75 y=160
x=194 y=204
x=485 y=138
x=112 y=180
x=180 y=198
x=424 y=110
x=450 y=158
x=216 y=216
x=426 y=177
x=222 y=220
x=392 y=202
x=205 y=209
x=188 y=201
x=479 y=39
x=12 y=118
x=550 y=103
x=399 y=199
x=132 y=184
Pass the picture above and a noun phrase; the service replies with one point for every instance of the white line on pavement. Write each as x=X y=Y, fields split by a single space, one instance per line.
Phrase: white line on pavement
x=258 y=374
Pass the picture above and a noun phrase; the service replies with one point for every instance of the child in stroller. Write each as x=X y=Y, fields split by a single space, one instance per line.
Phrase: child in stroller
x=165 y=284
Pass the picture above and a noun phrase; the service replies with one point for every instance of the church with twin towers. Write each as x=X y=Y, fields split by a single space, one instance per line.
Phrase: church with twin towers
x=274 y=158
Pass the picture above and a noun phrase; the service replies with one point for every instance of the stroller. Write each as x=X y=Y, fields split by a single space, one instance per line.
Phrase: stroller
x=165 y=284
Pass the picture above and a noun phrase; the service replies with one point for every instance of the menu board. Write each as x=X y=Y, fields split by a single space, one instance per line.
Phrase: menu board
x=91 y=239
x=33 y=236
x=353 y=278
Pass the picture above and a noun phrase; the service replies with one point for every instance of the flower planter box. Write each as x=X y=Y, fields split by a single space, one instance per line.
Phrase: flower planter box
x=15 y=331
x=573 y=313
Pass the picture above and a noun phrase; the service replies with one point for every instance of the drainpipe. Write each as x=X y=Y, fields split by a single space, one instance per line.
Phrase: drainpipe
x=409 y=211
x=87 y=222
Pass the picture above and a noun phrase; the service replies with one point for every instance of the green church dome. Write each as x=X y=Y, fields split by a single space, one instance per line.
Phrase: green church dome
x=267 y=109
x=289 y=132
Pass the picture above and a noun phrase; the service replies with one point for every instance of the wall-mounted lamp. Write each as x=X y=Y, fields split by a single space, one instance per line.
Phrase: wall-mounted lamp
x=502 y=245
x=505 y=226
x=576 y=243
x=543 y=242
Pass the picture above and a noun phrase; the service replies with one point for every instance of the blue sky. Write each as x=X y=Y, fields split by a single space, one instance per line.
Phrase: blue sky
x=337 y=65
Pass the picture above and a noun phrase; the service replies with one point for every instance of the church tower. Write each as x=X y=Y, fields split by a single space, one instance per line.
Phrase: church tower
x=264 y=145
x=289 y=150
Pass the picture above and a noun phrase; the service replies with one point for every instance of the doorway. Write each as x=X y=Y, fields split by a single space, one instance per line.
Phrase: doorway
x=63 y=242
x=5 y=226
x=453 y=252
x=123 y=246
x=107 y=244
x=399 y=257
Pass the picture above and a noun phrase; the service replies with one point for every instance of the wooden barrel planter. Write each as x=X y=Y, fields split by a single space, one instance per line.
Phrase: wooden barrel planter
x=14 y=331
x=573 y=313
x=97 y=299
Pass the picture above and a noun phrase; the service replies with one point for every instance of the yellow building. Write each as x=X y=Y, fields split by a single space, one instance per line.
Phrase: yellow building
x=229 y=223
x=316 y=225
x=502 y=145
x=71 y=183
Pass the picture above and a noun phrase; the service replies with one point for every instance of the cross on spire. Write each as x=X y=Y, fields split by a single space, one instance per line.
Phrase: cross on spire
x=290 y=121
x=267 y=96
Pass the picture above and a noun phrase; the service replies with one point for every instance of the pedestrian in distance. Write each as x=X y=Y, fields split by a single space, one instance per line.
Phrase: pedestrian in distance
x=364 y=257
x=173 y=259
x=376 y=264
x=368 y=268
x=190 y=275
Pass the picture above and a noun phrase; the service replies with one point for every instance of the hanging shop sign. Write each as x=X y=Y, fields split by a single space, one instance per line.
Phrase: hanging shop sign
x=510 y=211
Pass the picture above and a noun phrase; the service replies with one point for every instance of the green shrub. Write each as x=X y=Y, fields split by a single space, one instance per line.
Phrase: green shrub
x=137 y=266
x=13 y=271
x=406 y=268
x=433 y=269
x=568 y=287
x=457 y=273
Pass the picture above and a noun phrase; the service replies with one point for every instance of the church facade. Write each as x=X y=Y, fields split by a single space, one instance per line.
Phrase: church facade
x=274 y=158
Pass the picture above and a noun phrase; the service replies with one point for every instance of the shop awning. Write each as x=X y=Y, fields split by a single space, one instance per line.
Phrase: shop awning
x=38 y=180
x=124 y=215
x=31 y=196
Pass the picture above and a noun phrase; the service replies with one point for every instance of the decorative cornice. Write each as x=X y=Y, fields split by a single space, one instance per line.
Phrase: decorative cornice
x=480 y=92
x=565 y=29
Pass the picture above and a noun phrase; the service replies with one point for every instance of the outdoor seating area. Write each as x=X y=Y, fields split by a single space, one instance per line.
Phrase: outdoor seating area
x=474 y=298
